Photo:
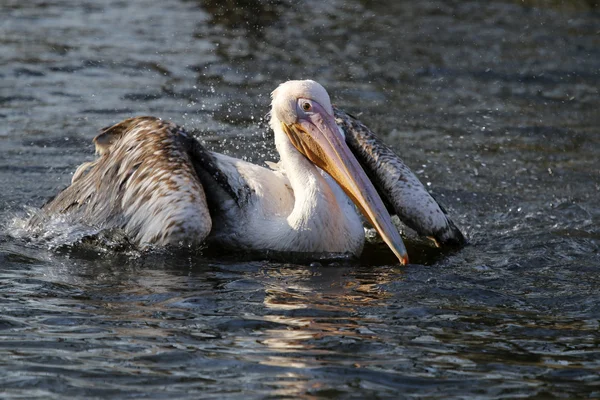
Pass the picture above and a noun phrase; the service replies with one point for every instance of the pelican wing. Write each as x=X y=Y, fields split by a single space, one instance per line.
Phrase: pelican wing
x=225 y=186
x=144 y=182
x=404 y=194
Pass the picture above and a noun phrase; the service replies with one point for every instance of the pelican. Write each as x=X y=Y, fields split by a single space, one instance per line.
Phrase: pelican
x=159 y=185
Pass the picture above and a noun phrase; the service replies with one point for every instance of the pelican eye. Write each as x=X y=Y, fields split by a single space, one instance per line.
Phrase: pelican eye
x=306 y=106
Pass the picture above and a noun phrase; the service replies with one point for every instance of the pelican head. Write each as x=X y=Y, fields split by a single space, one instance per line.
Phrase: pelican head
x=303 y=110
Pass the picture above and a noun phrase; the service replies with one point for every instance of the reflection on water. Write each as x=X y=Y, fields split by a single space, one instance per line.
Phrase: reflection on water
x=150 y=320
x=121 y=307
x=494 y=106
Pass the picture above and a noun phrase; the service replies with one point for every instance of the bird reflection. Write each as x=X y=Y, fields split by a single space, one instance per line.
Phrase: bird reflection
x=179 y=309
x=319 y=310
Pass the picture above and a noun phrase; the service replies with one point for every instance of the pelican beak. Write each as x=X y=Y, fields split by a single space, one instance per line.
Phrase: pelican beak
x=317 y=136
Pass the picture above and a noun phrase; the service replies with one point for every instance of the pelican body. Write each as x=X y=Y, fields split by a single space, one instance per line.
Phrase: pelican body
x=160 y=186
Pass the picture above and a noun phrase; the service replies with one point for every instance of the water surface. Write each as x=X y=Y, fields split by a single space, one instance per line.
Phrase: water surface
x=494 y=105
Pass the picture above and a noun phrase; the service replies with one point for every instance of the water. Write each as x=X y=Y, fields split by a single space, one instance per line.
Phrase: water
x=494 y=105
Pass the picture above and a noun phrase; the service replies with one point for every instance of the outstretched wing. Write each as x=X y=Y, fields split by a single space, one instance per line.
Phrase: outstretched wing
x=397 y=185
x=143 y=182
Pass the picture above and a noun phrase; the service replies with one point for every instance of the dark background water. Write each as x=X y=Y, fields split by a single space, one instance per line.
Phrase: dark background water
x=494 y=105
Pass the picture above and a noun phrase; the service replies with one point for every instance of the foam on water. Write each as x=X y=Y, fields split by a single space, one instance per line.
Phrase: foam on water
x=56 y=231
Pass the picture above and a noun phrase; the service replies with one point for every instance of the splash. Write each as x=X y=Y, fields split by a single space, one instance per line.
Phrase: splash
x=34 y=227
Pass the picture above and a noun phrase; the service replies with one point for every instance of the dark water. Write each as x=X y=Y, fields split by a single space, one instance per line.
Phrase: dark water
x=494 y=104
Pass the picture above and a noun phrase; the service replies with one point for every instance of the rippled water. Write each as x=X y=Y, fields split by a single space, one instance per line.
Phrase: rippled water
x=494 y=105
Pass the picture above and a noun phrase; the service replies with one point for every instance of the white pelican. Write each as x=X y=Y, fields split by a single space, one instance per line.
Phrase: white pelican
x=160 y=186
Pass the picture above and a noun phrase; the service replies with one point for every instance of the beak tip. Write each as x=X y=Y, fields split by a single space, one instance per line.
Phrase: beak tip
x=400 y=251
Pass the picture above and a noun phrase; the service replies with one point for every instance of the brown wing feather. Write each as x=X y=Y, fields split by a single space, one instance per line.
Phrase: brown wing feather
x=143 y=182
